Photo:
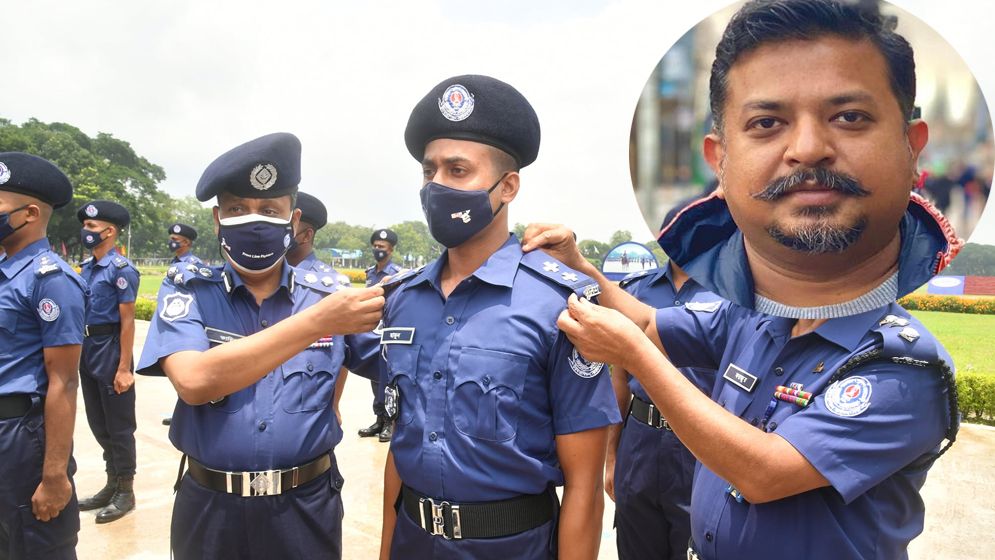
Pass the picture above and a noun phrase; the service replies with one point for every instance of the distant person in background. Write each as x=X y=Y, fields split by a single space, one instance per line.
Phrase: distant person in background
x=181 y=238
x=383 y=242
x=106 y=367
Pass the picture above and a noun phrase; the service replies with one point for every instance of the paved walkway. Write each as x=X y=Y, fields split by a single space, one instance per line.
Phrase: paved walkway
x=959 y=494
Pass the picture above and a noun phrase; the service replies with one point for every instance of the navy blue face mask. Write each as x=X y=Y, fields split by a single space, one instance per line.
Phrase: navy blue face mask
x=5 y=229
x=379 y=254
x=173 y=245
x=254 y=243
x=90 y=239
x=454 y=216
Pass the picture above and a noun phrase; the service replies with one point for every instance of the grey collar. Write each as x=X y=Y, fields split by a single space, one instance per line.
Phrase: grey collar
x=880 y=296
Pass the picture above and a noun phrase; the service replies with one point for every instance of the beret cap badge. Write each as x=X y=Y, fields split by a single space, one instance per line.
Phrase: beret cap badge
x=90 y=210
x=263 y=176
x=456 y=103
x=4 y=173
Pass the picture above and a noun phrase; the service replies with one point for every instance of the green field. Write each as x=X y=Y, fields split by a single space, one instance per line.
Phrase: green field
x=965 y=336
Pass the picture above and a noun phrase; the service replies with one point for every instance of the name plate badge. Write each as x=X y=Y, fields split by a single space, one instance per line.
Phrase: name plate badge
x=740 y=378
x=397 y=335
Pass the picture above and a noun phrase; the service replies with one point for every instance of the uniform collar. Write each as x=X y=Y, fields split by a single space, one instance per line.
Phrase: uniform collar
x=704 y=240
x=499 y=269
x=106 y=259
x=10 y=266
x=309 y=259
x=849 y=331
x=232 y=280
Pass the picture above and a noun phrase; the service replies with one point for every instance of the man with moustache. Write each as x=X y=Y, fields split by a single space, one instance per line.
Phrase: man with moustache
x=823 y=421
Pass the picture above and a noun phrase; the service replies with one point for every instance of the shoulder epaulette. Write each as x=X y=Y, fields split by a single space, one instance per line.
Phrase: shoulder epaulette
x=87 y=260
x=558 y=273
x=46 y=266
x=182 y=273
x=321 y=282
x=402 y=277
x=120 y=261
x=901 y=339
x=632 y=278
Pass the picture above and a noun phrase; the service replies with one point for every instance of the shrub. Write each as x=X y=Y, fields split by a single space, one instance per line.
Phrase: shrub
x=952 y=304
x=144 y=308
x=976 y=396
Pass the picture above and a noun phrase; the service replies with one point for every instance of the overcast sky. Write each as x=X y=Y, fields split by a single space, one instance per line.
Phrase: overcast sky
x=185 y=80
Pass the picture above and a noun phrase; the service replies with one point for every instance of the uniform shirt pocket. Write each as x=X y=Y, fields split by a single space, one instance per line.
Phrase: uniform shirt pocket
x=309 y=381
x=487 y=391
x=8 y=323
x=401 y=363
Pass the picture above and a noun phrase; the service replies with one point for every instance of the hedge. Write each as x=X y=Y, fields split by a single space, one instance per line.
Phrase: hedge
x=976 y=394
x=952 y=304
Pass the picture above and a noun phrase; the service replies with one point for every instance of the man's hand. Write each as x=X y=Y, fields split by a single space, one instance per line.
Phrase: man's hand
x=557 y=240
x=610 y=474
x=51 y=497
x=351 y=311
x=123 y=380
x=600 y=334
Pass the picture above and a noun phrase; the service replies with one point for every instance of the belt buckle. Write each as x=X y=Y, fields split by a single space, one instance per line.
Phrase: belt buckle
x=86 y=330
x=438 y=527
x=659 y=422
x=261 y=483
x=692 y=554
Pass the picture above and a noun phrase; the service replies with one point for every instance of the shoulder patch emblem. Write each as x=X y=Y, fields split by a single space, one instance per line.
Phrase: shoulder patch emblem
x=175 y=306
x=582 y=367
x=703 y=306
x=122 y=283
x=48 y=310
x=849 y=397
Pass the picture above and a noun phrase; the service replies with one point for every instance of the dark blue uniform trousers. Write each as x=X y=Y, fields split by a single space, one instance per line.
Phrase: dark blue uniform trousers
x=653 y=475
x=22 y=537
x=301 y=524
x=411 y=541
x=111 y=416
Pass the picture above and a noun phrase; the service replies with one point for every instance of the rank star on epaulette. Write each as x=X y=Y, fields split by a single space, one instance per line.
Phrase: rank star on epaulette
x=570 y=277
x=550 y=267
x=327 y=280
x=310 y=278
x=909 y=334
x=205 y=272
x=192 y=267
x=171 y=271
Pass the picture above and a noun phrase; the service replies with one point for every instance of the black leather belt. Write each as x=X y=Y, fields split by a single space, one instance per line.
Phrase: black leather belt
x=97 y=330
x=14 y=406
x=648 y=413
x=259 y=483
x=478 y=520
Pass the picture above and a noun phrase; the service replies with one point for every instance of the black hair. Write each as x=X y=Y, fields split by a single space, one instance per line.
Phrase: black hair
x=761 y=22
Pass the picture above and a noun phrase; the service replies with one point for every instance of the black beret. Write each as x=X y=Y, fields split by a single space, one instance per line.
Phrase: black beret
x=312 y=210
x=479 y=109
x=104 y=210
x=182 y=229
x=35 y=177
x=266 y=167
x=385 y=235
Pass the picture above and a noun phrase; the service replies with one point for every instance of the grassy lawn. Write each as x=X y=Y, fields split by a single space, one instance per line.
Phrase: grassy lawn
x=965 y=336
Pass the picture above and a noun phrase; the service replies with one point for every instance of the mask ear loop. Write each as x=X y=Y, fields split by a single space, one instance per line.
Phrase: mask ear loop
x=494 y=186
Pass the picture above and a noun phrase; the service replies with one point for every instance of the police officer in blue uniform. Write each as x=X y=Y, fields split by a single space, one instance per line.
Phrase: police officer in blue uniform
x=383 y=241
x=181 y=238
x=253 y=349
x=493 y=407
x=42 y=307
x=106 y=366
x=648 y=471
x=818 y=434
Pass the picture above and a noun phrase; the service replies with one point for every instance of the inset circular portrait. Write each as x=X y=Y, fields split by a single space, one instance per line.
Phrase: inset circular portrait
x=826 y=157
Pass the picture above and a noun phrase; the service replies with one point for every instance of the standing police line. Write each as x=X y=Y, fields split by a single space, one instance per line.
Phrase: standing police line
x=811 y=439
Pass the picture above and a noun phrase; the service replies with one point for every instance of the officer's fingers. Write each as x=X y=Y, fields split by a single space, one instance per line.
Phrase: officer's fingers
x=545 y=235
x=372 y=292
x=568 y=324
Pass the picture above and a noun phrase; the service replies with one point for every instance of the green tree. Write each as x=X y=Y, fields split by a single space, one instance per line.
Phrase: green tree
x=102 y=167
x=594 y=251
x=620 y=236
x=975 y=259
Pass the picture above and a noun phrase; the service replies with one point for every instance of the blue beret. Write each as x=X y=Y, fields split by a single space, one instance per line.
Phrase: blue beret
x=182 y=229
x=312 y=210
x=385 y=235
x=35 y=177
x=479 y=109
x=104 y=210
x=266 y=167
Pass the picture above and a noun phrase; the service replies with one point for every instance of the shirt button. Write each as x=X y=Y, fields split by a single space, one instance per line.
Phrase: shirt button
x=772 y=426
x=264 y=323
x=433 y=436
x=437 y=375
x=310 y=367
x=450 y=320
x=487 y=380
x=262 y=426
x=779 y=370
x=677 y=302
x=708 y=537
x=754 y=420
